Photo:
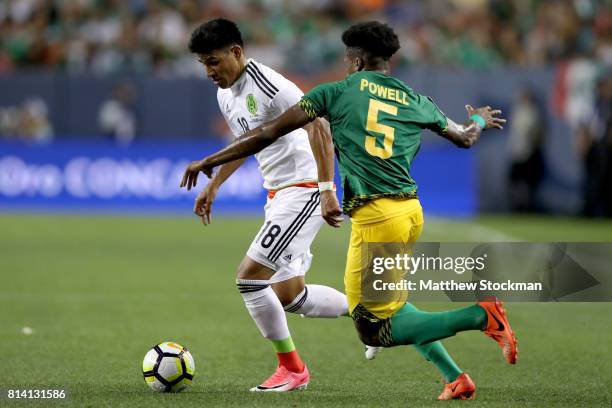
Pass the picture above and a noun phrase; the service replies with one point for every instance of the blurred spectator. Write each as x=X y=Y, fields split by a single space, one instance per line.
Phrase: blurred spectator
x=150 y=35
x=527 y=131
x=117 y=116
x=35 y=125
x=574 y=90
x=604 y=129
x=595 y=145
x=27 y=122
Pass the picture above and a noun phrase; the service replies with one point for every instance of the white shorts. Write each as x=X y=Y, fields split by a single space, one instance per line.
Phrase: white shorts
x=293 y=218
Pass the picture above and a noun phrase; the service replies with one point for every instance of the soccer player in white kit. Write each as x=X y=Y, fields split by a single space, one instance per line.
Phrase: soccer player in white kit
x=270 y=278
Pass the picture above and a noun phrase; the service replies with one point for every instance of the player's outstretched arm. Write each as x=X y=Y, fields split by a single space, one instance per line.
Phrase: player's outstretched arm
x=468 y=133
x=250 y=143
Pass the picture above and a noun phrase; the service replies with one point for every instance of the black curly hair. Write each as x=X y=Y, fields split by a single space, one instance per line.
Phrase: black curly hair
x=213 y=35
x=377 y=39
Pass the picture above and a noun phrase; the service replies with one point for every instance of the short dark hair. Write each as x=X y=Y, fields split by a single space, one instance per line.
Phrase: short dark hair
x=213 y=35
x=376 y=38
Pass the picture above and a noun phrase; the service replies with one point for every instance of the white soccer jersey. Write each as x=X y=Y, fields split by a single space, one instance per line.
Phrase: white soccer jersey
x=259 y=96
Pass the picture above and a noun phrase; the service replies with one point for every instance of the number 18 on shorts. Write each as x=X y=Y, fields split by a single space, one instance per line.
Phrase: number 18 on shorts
x=293 y=218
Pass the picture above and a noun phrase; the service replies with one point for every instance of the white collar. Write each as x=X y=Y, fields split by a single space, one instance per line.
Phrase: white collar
x=239 y=83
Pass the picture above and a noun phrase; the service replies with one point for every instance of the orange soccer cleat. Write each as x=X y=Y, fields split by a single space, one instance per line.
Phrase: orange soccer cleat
x=498 y=328
x=462 y=388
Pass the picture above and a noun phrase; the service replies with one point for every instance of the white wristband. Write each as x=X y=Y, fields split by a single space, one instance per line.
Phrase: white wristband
x=327 y=185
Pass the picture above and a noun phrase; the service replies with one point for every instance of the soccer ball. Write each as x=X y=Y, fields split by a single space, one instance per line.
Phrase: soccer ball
x=168 y=367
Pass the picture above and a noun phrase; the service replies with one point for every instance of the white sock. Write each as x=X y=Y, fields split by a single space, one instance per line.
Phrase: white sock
x=265 y=308
x=319 y=301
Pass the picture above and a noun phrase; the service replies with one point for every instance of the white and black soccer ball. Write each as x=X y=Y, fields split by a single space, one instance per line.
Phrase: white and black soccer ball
x=168 y=367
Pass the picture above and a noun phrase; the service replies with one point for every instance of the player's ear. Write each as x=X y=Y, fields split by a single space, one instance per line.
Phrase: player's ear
x=359 y=63
x=237 y=51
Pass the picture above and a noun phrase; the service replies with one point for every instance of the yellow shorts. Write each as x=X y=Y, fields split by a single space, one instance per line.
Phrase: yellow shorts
x=381 y=220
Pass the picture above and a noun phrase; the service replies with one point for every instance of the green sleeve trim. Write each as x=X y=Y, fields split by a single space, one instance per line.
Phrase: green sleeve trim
x=308 y=107
x=445 y=128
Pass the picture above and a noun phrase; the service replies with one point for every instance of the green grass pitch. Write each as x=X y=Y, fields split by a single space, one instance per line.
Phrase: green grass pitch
x=99 y=291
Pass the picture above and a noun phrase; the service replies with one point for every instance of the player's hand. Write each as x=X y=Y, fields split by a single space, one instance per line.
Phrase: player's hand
x=489 y=115
x=203 y=203
x=330 y=208
x=190 y=178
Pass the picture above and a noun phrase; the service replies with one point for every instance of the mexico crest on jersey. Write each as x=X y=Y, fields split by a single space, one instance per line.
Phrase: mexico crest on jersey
x=251 y=104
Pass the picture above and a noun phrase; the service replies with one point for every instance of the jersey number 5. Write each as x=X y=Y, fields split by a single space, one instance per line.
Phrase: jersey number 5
x=372 y=125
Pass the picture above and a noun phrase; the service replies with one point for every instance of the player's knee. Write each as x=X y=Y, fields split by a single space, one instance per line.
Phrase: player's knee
x=367 y=332
x=285 y=298
x=290 y=291
x=292 y=297
x=245 y=273
x=251 y=270
x=372 y=331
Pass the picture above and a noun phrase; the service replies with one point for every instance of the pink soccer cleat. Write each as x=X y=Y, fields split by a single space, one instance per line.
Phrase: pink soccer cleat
x=284 y=380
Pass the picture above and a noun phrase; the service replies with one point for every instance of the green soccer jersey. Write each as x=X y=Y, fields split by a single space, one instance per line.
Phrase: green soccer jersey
x=376 y=122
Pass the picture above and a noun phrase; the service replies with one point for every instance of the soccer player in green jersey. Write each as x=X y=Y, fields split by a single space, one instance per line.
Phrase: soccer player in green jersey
x=376 y=122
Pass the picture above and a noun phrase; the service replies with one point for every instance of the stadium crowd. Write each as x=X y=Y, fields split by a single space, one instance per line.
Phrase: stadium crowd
x=105 y=36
